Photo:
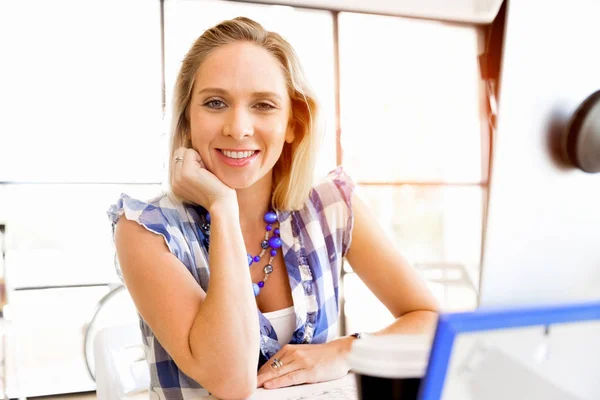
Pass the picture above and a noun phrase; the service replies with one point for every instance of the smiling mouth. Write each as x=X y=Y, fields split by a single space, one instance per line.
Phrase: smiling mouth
x=238 y=155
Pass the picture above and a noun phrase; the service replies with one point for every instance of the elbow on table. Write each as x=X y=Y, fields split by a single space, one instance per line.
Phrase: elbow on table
x=231 y=388
x=236 y=385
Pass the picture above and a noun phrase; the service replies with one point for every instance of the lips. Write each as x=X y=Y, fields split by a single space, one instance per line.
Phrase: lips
x=237 y=158
x=238 y=155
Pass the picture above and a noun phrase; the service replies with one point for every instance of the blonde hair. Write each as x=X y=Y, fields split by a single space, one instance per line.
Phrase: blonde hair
x=293 y=172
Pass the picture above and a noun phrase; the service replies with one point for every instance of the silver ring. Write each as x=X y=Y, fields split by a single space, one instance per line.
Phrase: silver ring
x=177 y=159
x=276 y=364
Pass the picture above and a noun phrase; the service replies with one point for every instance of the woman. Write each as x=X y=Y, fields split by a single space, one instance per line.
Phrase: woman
x=244 y=141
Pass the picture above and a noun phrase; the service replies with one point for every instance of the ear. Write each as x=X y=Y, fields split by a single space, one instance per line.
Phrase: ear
x=290 y=133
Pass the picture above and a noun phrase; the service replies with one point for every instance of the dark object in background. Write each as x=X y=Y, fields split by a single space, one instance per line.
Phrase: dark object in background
x=390 y=367
x=583 y=135
x=372 y=387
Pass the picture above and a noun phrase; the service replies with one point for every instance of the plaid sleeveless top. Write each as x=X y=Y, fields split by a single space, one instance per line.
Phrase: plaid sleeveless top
x=315 y=239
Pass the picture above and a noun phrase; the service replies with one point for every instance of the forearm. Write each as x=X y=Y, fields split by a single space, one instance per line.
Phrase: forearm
x=415 y=322
x=225 y=335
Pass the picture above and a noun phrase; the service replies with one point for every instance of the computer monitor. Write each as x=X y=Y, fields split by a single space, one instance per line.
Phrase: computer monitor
x=542 y=235
x=511 y=353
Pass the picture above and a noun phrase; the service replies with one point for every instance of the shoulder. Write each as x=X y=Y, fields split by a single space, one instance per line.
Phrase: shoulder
x=335 y=189
x=328 y=213
x=162 y=215
x=160 y=208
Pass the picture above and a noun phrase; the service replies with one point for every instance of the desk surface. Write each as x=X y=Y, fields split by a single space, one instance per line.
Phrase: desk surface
x=341 y=389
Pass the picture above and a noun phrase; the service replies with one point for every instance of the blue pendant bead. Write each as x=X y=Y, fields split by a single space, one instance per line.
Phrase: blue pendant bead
x=264 y=246
x=270 y=217
x=269 y=227
x=274 y=242
x=205 y=228
x=250 y=259
x=267 y=270
x=273 y=253
x=256 y=289
x=276 y=231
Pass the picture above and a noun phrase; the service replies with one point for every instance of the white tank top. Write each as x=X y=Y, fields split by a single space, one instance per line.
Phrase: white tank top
x=284 y=324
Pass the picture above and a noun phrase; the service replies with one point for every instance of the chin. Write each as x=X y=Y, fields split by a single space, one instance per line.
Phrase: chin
x=239 y=181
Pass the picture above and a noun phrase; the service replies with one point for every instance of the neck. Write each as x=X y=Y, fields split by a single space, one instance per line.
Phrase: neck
x=254 y=202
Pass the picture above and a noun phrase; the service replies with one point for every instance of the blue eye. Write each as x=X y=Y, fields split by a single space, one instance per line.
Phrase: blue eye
x=214 y=104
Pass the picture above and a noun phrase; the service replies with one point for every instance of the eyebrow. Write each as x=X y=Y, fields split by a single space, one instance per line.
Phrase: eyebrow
x=255 y=94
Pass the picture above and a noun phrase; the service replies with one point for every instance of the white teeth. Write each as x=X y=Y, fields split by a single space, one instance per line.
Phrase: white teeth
x=237 y=154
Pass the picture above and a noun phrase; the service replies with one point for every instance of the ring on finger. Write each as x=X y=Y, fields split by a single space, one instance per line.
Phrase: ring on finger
x=276 y=364
x=178 y=158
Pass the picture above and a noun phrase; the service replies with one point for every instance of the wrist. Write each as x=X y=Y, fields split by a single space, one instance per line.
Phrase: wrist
x=224 y=206
x=361 y=335
x=344 y=347
x=345 y=344
x=348 y=340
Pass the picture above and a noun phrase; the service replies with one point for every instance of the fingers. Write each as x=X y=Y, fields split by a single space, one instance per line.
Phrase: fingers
x=268 y=368
x=296 y=377
x=194 y=156
x=178 y=158
x=190 y=157
x=272 y=369
x=184 y=158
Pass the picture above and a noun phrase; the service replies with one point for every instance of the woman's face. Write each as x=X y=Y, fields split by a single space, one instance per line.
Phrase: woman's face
x=240 y=113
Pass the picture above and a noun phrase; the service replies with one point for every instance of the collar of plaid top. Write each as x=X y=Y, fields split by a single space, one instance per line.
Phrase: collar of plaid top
x=301 y=283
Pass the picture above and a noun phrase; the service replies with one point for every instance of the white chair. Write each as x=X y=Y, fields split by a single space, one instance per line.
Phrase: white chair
x=120 y=363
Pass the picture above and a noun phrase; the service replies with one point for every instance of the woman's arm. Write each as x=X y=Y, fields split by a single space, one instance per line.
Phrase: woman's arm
x=213 y=337
x=395 y=283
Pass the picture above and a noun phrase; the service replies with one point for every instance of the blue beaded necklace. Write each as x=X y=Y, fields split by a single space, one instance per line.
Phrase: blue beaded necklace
x=274 y=243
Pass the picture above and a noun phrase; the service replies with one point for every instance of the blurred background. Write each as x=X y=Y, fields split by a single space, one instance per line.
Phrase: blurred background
x=83 y=85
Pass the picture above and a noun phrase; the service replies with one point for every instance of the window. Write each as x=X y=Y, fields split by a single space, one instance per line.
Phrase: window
x=411 y=139
x=80 y=123
x=59 y=234
x=409 y=100
x=84 y=125
x=83 y=93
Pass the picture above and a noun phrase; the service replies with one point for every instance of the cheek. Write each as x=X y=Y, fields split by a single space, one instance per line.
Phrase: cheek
x=276 y=132
x=203 y=130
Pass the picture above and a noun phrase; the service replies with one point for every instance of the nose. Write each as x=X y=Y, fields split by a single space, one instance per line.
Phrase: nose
x=238 y=124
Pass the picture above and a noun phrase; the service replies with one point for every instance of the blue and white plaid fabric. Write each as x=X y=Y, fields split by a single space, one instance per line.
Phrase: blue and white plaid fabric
x=315 y=239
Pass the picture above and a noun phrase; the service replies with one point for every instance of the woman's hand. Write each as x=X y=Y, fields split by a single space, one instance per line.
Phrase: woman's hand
x=192 y=182
x=306 y=363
